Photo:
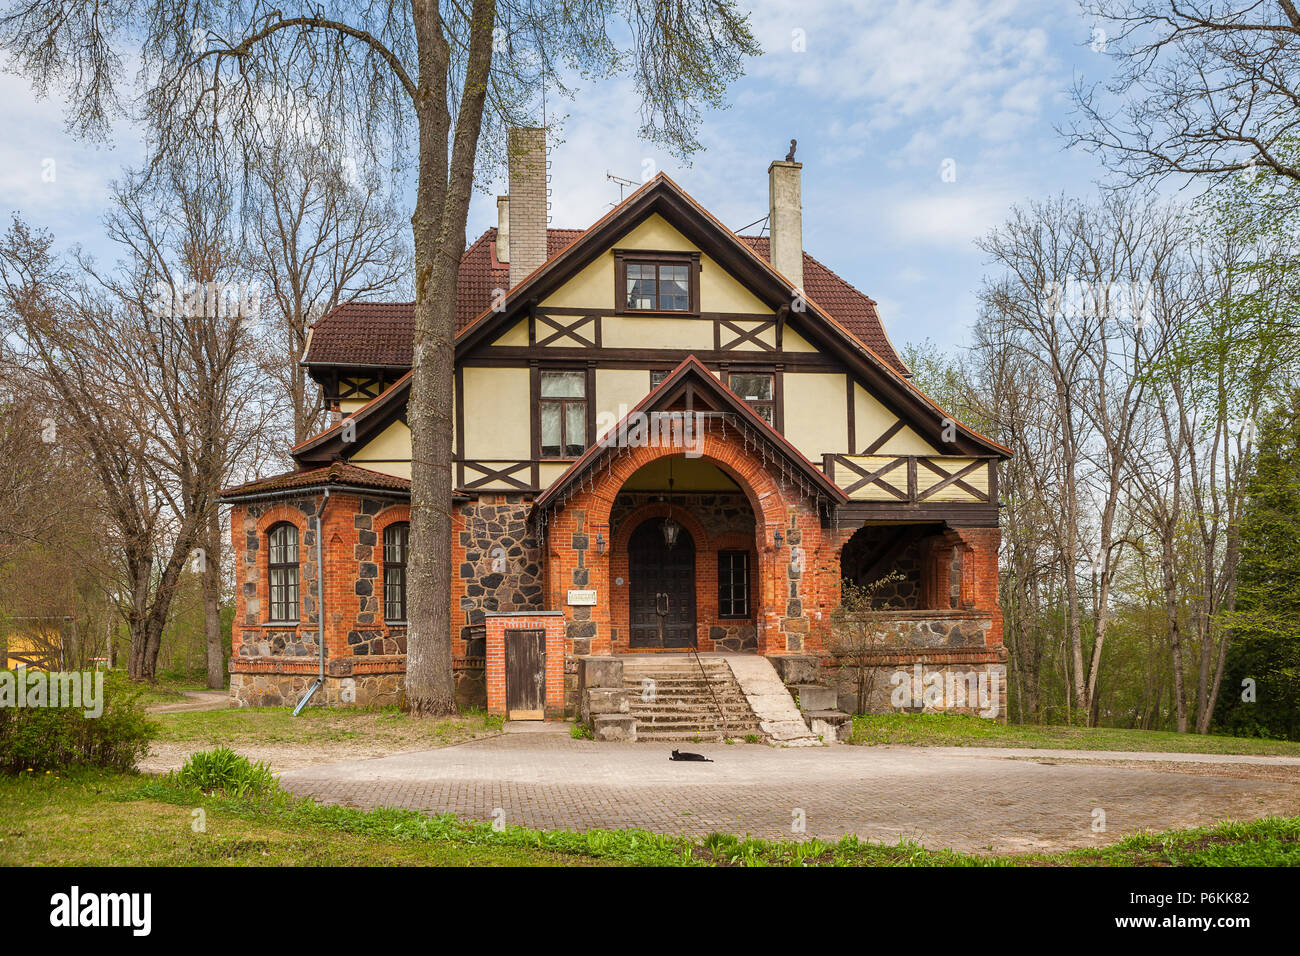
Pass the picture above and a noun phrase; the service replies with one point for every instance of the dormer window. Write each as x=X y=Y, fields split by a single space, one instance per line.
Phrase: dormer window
x=657 y=282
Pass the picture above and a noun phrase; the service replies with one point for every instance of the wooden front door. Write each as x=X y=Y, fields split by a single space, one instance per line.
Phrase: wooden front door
x=525 y=674
x=661 y=585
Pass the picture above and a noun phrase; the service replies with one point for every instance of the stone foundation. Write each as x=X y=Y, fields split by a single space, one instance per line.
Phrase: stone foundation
x=947 y=687
x=286 y=690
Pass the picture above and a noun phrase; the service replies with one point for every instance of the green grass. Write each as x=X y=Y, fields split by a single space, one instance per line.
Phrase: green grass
x=953 y=730
x=170 y=687
x=381 y=727
x=123 y=819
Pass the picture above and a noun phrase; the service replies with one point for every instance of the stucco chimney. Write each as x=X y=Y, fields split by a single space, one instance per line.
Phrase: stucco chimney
x=527 y=215
x=785 y=219
x=503 y=229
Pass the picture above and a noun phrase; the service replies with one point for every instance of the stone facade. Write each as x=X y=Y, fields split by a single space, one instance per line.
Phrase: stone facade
x=951 y=623
x=496 y=566
x=895 y=655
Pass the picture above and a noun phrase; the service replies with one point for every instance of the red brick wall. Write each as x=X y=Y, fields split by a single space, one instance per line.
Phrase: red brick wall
x=553 y=625
x=791 y=608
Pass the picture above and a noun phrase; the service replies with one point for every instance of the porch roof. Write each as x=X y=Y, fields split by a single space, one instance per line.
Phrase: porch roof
x=338 y=474
x=692 y=379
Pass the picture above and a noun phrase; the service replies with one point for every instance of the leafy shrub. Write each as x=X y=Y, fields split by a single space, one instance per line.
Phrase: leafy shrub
x=224 y=771
x=55 y=738
x=580 y=731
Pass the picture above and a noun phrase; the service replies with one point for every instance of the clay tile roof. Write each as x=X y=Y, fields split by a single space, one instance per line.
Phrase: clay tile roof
x=336 y=473
x=381 y=333
x=850 y=308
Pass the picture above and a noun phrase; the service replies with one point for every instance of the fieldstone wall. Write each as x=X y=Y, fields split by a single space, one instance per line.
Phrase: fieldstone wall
x=978 y=688
x=917 y=629
x=734 y=636
x=286 y=690
x=497 y=565
x=917 y=661
x=719 y=514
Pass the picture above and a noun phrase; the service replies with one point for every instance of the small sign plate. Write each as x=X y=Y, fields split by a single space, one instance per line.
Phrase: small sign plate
x=582 y=597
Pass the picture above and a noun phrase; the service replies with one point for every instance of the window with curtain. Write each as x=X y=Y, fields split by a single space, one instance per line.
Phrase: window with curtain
x=563 y=412
x=757 y=389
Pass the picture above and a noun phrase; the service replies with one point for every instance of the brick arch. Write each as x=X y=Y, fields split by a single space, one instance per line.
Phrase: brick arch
x=307 y=594
x=655 y=509
x=587 y=513
x=764 y=494
x=391 y=515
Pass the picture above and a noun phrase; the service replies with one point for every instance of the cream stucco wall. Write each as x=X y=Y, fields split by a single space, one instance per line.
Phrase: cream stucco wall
x=498 y=412
x=871 y=419
x=593 y=287
x=388 y=452
x=617 y=392
x=816 y=413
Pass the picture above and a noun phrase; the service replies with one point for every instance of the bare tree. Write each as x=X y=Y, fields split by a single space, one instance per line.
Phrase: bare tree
x=1206 y=87
x=323 y=234
x=188 y=278
x=371 y=73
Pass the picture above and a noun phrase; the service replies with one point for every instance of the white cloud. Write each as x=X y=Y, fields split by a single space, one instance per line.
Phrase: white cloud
x=950 y=217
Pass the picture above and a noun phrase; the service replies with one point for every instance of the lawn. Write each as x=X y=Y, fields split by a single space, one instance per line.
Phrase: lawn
x=170 y=687
x=386 y=728
x=96 y=818
x=944 y=730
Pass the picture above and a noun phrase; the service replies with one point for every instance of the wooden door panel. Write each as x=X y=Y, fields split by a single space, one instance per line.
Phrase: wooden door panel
x=525 y=674
x=661 y=579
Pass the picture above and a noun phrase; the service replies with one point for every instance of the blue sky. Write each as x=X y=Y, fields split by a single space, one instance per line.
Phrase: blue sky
x=880 y=97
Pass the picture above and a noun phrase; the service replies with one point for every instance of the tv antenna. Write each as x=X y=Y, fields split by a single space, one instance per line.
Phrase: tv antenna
x=622 y=185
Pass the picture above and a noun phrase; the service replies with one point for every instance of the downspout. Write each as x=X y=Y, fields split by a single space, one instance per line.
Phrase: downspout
x=320 y=601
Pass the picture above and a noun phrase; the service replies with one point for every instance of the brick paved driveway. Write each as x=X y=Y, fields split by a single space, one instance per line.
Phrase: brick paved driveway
x=1006 y=800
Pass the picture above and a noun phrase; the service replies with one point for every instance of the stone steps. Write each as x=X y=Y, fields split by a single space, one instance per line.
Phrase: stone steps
x=686 y=700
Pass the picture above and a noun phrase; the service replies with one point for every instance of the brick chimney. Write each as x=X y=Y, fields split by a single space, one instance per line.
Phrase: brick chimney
x=527 y=202
x=503 y=229
x=785 y=219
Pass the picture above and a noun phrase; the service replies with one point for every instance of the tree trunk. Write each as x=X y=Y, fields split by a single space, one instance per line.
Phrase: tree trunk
x=1171 y=622
x=438 y=225
x=212 y=602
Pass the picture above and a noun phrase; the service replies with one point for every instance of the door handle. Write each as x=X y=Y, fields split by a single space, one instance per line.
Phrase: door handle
x=661 y=603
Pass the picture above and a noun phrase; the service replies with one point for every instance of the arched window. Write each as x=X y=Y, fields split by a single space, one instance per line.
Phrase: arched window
x=397 y=539
x=283 y=567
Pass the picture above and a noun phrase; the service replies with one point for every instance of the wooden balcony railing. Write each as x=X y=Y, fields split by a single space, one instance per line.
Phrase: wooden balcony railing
x=912 y=479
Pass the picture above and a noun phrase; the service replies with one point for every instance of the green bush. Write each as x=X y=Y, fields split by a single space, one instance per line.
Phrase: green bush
x=226 y=772
x=55 y=738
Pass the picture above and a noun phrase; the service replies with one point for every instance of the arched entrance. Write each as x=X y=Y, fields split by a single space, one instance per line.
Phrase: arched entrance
x=661 y=588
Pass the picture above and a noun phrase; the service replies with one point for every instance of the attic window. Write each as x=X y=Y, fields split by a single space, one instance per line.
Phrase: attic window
x=656 y=282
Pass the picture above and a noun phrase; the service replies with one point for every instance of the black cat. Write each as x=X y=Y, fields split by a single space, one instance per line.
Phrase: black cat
x=679 y=755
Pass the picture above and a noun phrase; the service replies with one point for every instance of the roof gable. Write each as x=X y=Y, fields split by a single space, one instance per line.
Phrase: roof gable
x=689 y=386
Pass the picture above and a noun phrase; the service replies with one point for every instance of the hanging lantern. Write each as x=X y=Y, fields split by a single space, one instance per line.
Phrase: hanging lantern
x=670 y=529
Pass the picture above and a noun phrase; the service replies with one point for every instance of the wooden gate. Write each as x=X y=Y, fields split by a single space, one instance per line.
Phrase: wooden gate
x=525 y=674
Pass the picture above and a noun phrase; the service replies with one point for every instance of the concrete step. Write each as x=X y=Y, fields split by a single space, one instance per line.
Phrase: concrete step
x=814 y=697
